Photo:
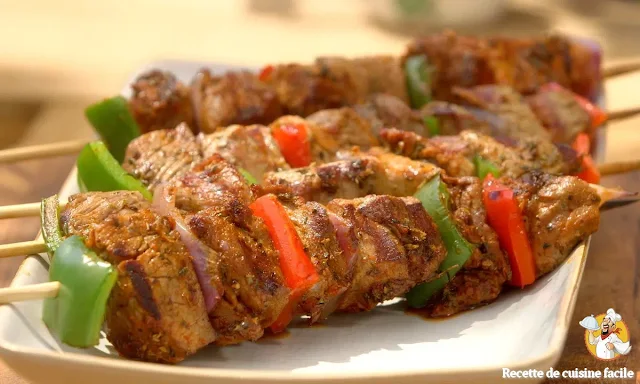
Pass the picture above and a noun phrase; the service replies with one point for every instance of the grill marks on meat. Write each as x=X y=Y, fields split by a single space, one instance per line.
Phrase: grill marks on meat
x=356 y=175
x=516 y=118
x=481 y=278
x=559 y=211
x=156 y=311
x=162 y=155
x=396 y=246
x=160 y=101
x=214 y=200
x=249 y=147
x=560 y=113
x=455 y=154
x=318 y=236
x=233 y=98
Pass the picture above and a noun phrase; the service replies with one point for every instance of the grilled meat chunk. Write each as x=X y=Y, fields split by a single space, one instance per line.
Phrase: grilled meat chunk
x=392 y=243
x=369 y=75
x=455 y=154
x=162 y=155
x=249 y=147
x=387 y=111
x=560 y=212
x=505 y=110
x=318 y=236
x=156 y=311
x=452 y=119
x=214 y=200
x=481 y=278
x=233 y=98
x=305 y=89
x=357 y=174
x=160 y=101
x=560 y=113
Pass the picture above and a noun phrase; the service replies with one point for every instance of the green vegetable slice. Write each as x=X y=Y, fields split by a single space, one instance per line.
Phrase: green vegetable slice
x=418 y=76
x=114 y=123
x=485 y=167
x=50 y=224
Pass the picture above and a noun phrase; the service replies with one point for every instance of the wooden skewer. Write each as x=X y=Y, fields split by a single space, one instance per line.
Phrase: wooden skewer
x=40 y=151
x=619 y=167
x=19 y=210
x=621 y=69
x=29 y=292
x=21 y=249
x=623 y=114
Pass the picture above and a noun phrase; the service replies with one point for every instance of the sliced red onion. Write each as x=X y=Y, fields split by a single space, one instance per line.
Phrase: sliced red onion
x=343 y=235
x=164 y=205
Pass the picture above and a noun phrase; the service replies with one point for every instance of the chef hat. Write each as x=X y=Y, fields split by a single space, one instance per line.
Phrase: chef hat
x=613 y=316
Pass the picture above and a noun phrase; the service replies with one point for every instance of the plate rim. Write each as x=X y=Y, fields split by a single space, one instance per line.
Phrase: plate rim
x=548 y=358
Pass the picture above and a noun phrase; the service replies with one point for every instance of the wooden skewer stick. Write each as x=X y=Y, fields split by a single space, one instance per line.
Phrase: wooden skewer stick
x=19 y=210
x=621 y=69
x=21 y=249
x=623 y=114
x=619 y=167
x=40 y=151
x=29 y=292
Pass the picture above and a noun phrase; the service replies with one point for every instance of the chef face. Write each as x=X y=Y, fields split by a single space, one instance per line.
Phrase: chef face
x=607 y=326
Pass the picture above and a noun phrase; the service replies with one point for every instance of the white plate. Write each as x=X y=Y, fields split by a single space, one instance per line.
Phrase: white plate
x=521 y=330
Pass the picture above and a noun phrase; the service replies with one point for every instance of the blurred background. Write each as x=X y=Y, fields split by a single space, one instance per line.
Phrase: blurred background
x=58 y=56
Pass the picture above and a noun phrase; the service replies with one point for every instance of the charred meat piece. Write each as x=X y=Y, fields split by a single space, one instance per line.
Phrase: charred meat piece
x=214 y=200
x=156 y=311
x=335 y=129
x=455 y=154
x=481 y=278
x=318 y=236
x=162 y=155
x=393 y=244
x=233 y=98
x=560 y=212
x=357 y=174
x=387 y=111
x=504 y=109
x=160 y=101
x=249 y=147
x=370 y=75
x=560 y=113
x=305 y=89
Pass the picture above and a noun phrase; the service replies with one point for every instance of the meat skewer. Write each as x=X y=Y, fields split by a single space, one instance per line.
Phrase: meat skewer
x=201 y=207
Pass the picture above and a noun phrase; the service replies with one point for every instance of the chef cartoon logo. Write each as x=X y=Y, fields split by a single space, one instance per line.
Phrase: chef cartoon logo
x=606 y=335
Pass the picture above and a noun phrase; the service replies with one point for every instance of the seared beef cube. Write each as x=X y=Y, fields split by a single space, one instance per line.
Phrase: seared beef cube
x=305 y=89
x=393 y=244
x=159 y=156
x=517 y=120
x=214 y=200
x=560 y=113
x=560 y=212
x=156 y=311
x=160 y=101
x=318 y=238
x=369 y=75
x=233 y=98
x=453 y=119
x=249 y=147
x=382 y=110
x=481 y=278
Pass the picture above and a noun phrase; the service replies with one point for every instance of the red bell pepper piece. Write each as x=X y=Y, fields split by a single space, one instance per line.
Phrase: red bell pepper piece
x=504 y=216
x=293 y=140
x=589 y=172
x=596 y=114
x=265 y=73
x=298 y=270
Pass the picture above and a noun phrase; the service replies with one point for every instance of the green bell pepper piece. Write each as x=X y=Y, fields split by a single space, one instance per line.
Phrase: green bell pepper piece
x=114 y=123
x=76 y=314
x=247 y=176
x=417 y=74
x=99 y=171
x=432 y=124
x=435 y=197
x=50 y=224
x=485 y=167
